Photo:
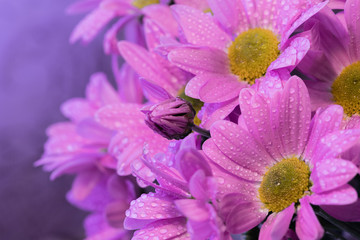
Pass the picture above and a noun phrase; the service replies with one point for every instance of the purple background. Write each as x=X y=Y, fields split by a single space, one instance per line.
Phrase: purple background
x=39 y=70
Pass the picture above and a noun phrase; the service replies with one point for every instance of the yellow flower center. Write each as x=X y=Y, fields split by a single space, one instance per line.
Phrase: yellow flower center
x=346 y=89
x=196 y=103
x=252 y=52
x=284 y=183
x=143 y=3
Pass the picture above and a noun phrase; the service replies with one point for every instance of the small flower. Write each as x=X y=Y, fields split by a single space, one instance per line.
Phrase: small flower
x=172 y=118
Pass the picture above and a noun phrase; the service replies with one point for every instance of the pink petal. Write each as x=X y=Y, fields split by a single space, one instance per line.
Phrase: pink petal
x=99 y=92
x=193 y=87
x=201 y=187
x=89 y=27
x=294 y=117
x=220 y=88
x=229 y=201
x=162 y=15
x=229 y=13
x=199 y=28
x=153 y=34
x=147 y=66
x=115 y=213
x=77 y=109
x=244 y=217
x=336 y=143
x=352 y=15
x=256 y=112
x=152 y=207
x=291 y=55
x=324 y=123
x=164 y=230
x=345 y=213
x=200 y=60
x=307 y=224
x=277 y=224
x=90 y=129
x=154 y=91
x=332 y=173
x=340 y=196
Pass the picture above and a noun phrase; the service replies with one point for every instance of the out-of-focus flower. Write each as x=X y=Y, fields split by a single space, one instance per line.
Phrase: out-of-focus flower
x=280 y=162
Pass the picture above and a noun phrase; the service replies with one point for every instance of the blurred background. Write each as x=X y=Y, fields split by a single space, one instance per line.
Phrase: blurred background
x=39 y=70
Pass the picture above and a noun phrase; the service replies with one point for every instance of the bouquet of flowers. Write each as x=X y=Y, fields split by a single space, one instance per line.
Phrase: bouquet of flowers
x=231 y=119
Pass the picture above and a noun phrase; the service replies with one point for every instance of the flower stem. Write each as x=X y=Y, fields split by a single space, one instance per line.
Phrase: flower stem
x=201 y=131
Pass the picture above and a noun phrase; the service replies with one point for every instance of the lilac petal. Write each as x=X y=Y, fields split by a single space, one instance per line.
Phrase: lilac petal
x=153 y=34
x=229 y=201
x=220 y=88
x=307 y=225
x=291 y=55
x=76 y=164
x=90 y=129
x=129 y=87
x=202 y=187
x=324 y=123
x=199 y=4
x=193 y=87
x=320 y=98
x=239 y=146
x=189 y=161
x=245 y=216
x=277 y=224
x=332 y=173
x=256 y=112
x=352 y=15
x=199 y=28
x=163 y=230
x=217 y=111
x=294 y=117
x=162 y=15
x=84 y=183
x=200 y=60
x=340 y=196
x=152 y=207
x=77 y=109
x=195 y=210
x=336 y=4
x=228 y=13
x=345 y=213
x=336 y=143
x=154 y=91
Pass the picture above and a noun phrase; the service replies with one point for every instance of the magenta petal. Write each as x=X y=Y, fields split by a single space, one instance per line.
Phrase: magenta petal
x=195 y=210
x=200 y=60
x=294 y=117
x=99 y=92
x=220 y=88
x=352 y=15
x=244 y=217
x=194 y=85
x=229 y=201
x=345 y=213
x=151 y=206
x=277 y=224
x=164 y=230
x=190 y=161
x=199 y=28
x=323 y=123
x=340 y=196
x=77 y=109
x=92 y=130
x=332 y=173
x=115 y=213
x=307 y=224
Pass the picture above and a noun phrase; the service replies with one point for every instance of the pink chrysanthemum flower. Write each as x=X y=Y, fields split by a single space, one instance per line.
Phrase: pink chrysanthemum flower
x=239 y=44
x=181 y=206
x=333 y=62
x=278 y=160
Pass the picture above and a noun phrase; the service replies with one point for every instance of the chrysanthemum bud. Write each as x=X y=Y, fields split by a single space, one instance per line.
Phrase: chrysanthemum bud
x=172 y=118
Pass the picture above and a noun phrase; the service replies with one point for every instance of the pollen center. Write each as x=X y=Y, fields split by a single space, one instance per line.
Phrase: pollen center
x=196 y=103
x=252 y=52
x=284 y=183
x=346 y=89
x=143 y=3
